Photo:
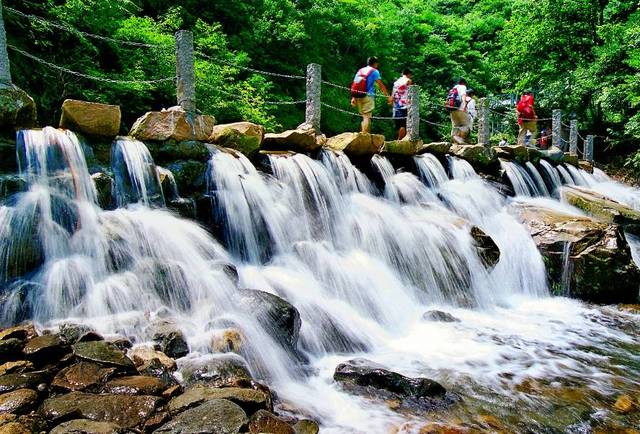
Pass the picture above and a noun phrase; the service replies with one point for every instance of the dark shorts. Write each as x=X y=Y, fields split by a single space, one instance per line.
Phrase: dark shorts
x=400 y=113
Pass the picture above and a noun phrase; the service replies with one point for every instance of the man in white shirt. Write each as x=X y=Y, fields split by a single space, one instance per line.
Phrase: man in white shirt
x=460 y=127
x=470 y=107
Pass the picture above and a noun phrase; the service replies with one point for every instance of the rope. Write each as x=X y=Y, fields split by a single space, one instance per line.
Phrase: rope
x=382 y=118
x=76 y=31
x=246 y=68
x=237 y=98
x=86 y=76
x=338 y=86
x=432 y=123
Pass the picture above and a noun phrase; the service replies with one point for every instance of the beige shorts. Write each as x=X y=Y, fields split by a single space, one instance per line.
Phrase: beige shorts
x=366 y=105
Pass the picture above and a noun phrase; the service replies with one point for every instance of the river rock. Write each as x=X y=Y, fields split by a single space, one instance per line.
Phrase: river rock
x=227 y=341
x=439 y=316
x=171 y=150
x=264 y=422
x=135 y=385
x=19 y=401
x=142 y=355
x=17 y=366
x=82 y=376
x=90 y=118
x=218 y=416
x=306 y=426
x=487 y=249
x=357 y=144
x=624 y=404
x=123 y=410
x=585 y=165
x=600 y=206
x=603 y=268
x=189 y=175
x=84 y=426
x=299 y=140
x=73 y=333
x=17 y=108
x=402 y=147
x=15 y=428
x=554 y=154
x=437 y=148
x=250 y=400
x=571 y=159
x=174 y=124
x=241 y=136
x=45 y=349
x=224 y=370
x=477 y=155
x=519 y=153
x=280 y=319
x=104 y=189
x=10 y=349
x=20 y=332
x=169 y=339
x=104 y=353
x=26 y=380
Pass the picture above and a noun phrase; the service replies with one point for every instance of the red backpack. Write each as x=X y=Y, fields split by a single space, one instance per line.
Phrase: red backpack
x=454 y=100
x=525 y=107
x=359 y=85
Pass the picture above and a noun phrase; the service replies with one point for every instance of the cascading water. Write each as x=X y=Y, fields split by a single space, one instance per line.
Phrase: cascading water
x=552 y=176
x=523 y=184
x=566 y=177
x=136 y=175
x=541 y=186
x=361 y=270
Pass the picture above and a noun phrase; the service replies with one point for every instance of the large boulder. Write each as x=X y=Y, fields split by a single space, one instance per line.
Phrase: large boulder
x=171 y=150
x=173 y=124
x=189 y=175
x=519 y=153
x=600 y=206
x=356 y=144
x=437 y=148
x=81 y=376
x=103 y=353
x=598 y=252
x=90 y=118
x=218 y=416
x=123 y=410
x=17 y=108
x=402 y=147
x=477 y=155
x=486 y=247
x=277 y=316
x=169 y=339
x=301 y=140
x=45 y=349
x=554 y=154
x=245 y=137
x=225 y=370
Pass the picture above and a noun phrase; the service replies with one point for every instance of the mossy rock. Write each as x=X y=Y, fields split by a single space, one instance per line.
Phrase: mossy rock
x=17 y=109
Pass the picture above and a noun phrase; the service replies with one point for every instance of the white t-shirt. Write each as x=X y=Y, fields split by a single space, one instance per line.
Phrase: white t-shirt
x=471 y=107
x=462 y=90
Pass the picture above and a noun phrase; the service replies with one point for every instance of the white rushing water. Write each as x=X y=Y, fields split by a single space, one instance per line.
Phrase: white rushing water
x=361 y=268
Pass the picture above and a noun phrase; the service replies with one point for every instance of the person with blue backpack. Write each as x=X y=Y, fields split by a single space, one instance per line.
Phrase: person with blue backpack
x=456 y=104
x=363 y=91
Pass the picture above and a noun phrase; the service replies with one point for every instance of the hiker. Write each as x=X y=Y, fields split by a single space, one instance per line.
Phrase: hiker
x=527 y=118
x=456 y=104
x=545 y=133
x=470 y=107
x=363 y=91
x=400 y=94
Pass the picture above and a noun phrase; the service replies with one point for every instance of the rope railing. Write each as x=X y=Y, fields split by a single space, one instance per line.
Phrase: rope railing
x=87 y=76
x=249 y=69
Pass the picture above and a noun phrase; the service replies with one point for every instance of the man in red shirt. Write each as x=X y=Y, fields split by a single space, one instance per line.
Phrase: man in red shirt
x=527 y=118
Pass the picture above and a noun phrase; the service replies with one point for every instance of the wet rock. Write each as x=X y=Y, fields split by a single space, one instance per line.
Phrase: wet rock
x=10 y=184
x=171 y=150
x=15 y=428
x=27 y=380
x=603 y=268
x=625 y=404
x=278 y=317
x=19 y=401
x=249 y=400
x=154 y=368
x=143 y=355
x=169 y=339
x=90 y=118
x=172 y=392
x=226 y=370
x=84 y=426
x=21 y=332
x=518 y=153
x=82 y=376
x=73 y=333
x=365 y=373
x=402 y=147
x=227 y=341
x=306 y=426
x=587 y=166
x=570 y=159
x=535 y=155
x=477 y=155
x=104 y=353
x=184 y=207
x=553 y=154
x=104 y=188
x=46 y=348
x=439 y=316
x=299 y=140
x=264 y=422
x=487 y=249
x=17 y=108
x=17 y=366
x=135 y=385
x=600 y=206
x=123 y=410
x=218 y=416
x=156 y=421
x=441 y=428
x=189 y=175
x=121 y=343
x=10 y=349
x=172 y=124
x=437 y=148
x=356 y=144
x=241 y=136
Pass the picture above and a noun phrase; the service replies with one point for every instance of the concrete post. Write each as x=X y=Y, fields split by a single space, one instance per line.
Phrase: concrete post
x=185 y=71
x=5 y=71
x=313 y=111
x=413 y=114
x=483 y=122
x=556 y=129
x=588 y=149
x=573 y=137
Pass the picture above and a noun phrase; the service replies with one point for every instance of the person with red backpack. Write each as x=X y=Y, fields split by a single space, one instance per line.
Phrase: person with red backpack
x=400 y=94
x=363 y=91
x=527 y=118
x=456 y=104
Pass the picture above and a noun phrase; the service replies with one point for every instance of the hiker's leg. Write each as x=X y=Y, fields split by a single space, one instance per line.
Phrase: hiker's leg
x=366 y=122
x=402 y=133
x=533 y=127
x=522 y=133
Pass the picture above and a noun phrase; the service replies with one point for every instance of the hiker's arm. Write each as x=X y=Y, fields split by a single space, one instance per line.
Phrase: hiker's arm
x=384 y=90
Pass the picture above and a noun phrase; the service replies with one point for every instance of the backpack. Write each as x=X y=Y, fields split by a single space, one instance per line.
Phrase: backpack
x=453 y=100
x=525 y=107
x=359 y=85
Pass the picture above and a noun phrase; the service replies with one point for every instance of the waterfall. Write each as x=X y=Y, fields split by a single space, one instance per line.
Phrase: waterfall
x=431 y=171
x=401 y=187
x=523 y=184
x=552 y=176
x=566 y=177
x=349 y=178
x=542 y=188
x=460 y=169
x=577 y=176
x=136 y=175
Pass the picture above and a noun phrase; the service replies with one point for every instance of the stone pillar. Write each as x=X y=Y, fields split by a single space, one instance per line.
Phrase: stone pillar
x=413 y=114
x=588 y=149
x=573 y=137
x=483 y=122
x=185 y=71
x=556 y=129
x=313 y=110
x=5 y=71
